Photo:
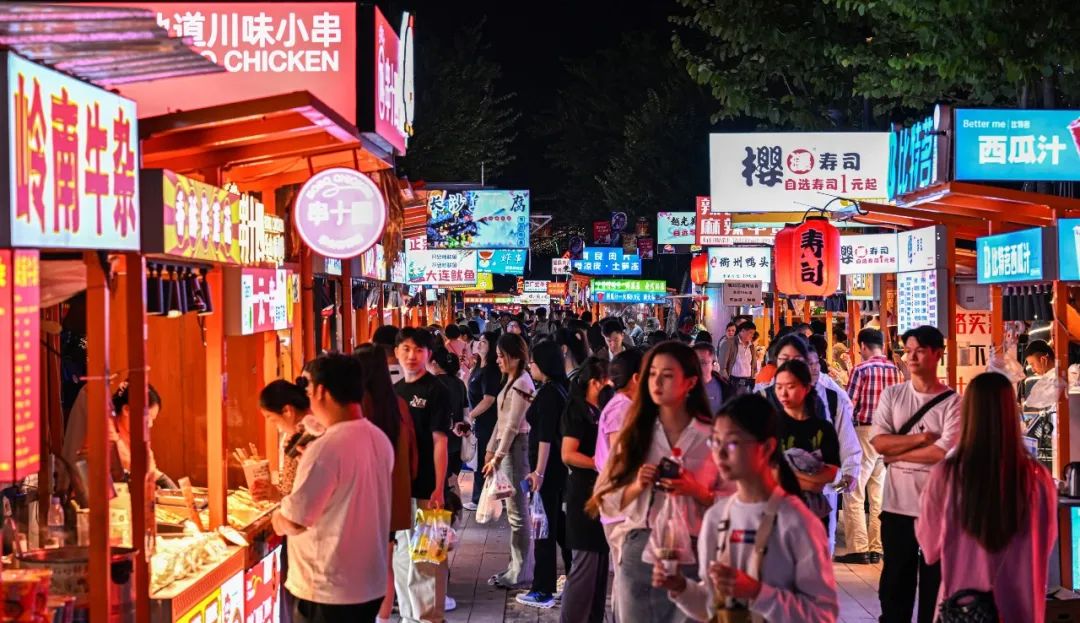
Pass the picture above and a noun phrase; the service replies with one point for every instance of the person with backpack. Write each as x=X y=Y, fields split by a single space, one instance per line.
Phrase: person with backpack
x=762 y=555
x=1001 y=555
x=915 y=425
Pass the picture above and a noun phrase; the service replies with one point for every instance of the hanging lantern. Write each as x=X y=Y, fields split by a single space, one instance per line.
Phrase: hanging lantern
x=699 y=269
x=816 y=254
x=784 y=261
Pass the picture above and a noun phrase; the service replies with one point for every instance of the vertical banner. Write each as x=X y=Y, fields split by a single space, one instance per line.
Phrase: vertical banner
x=601 y=231
x=20 y=330
x=629 y=244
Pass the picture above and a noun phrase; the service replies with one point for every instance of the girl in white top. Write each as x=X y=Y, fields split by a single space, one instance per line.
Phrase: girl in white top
x=669 y=412
x=508 y=452
x=762 y=551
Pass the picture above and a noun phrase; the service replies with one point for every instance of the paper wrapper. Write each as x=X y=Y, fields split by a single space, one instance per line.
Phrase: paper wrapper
x=257 y=474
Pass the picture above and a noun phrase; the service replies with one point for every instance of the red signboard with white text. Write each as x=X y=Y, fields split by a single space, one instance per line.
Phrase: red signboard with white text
x=712 y=225
x=20 y=447
x=261 y=589
x=393 y=57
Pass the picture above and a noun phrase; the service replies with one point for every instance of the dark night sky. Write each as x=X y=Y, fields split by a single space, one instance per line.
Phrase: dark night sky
x=530 y=39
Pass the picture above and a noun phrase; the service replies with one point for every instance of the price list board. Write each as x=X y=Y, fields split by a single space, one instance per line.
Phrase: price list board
x=921 y=299
x=20 y=451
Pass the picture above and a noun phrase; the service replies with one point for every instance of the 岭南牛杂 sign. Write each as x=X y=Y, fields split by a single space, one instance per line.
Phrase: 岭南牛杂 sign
x=742 y=292
x=340 y=213
x=73 y=159
x=441 y=267
x=609 y=261
x=676 y=228
x=773 y=172
x=1020 y=145
x=1025 y=255
x=740 y=264
x=919 y=155
x=868 y=254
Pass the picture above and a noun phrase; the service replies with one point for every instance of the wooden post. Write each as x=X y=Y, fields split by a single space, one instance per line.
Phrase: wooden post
x=1060 y=336
x=348 y=314
x=143 y=523
x=884 y=309
x=854 y=316
x=829 y=338
x=97 y=436
x=216 y=442
x=951 y=354
x=776 y=314
x=807 y=311
x=997 y=312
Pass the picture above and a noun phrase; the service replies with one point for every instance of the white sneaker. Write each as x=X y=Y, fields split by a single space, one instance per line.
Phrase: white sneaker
x=469 y=506
x=450 y=604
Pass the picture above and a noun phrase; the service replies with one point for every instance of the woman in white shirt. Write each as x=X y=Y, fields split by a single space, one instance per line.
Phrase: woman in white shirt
x=508 y=452
x=669 y=417
x=765 y=556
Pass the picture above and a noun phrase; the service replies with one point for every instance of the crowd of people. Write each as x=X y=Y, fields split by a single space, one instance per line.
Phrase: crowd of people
x=634 y=441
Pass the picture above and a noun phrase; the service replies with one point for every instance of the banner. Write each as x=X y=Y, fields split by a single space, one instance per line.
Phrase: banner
x=478 y=219
x=646 y=248
x=558 y=289
x=601 y=233
x=629 y=244
x=919 y=154
x=869 y=254
x=740 y=264
x=560 y=266
x=502 y=261
x=777 y=171
x=20 y=352
x=676 y=227
x=608 y=262
x=1025 y=255
x=1017 y=145
x=628 y=285
x=441 y=267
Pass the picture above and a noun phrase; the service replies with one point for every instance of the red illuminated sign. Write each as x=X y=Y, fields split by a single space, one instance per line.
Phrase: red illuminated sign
x=20 y=448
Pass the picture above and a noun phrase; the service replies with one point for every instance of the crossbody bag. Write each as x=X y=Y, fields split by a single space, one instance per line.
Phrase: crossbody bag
x=727 y=611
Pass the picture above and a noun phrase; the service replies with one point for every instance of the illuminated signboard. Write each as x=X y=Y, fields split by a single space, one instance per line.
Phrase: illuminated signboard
x=340 y=213
x=676 y=227
x=257 y=300
x=394 y=90
x=441 y=267
x=869 y=254
x=628 y=285
x=919 y=154
x=73 y=159
x=1017 y=145
x=1025 y=255
x=607 y=261
x=20 y=352
x=922 y=299
x=502 y=261
x=740 y=264
x=262 y=584
x=478 y=219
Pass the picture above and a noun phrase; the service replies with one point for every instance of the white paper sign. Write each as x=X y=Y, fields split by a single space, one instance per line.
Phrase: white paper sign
x=739 y=293
x=560 y=266
x=535 y=286
x=918 y=249
x=868 y=254
x=740 y=264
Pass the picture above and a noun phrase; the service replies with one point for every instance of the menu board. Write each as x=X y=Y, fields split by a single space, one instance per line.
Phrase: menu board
x=921 y=299
x=20 y=445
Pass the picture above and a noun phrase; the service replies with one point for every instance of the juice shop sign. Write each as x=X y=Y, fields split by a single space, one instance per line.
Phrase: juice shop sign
x=1015 y=256
x=340 y=213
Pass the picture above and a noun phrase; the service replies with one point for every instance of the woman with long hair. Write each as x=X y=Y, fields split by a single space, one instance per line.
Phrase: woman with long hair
x=284 y=406
x=508 y=452
x=804 y=430
x=787 y=575
x=574 y=350
x=586 y=583
x=483 y=388
x=669 y=419
x=989 y=510
x=391 y=415
x=548 y=478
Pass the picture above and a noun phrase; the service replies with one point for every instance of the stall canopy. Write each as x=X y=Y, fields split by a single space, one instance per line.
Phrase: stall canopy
x=107 y=46
x=285 y=137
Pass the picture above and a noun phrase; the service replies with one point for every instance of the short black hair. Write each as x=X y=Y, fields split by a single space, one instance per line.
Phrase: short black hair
x=705 y=347
x=730 y=324
x=452 y=331
x=624 y=366
x=820 y=345
x=446 y=360
x=1038 y=347
x=747 y=326
x=871 y=337
x=341 y=375
x=703 y=336
x=612 y=325
x=122 y=397
x=385 y=335
x=586 y=316
x=281 y=393
x=794 y=340
x=926 y=336
x=541 y=312
x=421 y=337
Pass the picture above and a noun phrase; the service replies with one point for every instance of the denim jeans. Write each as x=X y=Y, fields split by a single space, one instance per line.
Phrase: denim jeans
x=515 y=466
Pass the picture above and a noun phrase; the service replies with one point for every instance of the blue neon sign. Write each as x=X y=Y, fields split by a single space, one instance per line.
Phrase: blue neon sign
x=1012 y=257
x=502 y=261
x=1019 y=145
x=607 y=261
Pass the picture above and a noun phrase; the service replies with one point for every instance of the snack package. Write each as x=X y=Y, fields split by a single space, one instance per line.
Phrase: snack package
x=503 y=487
x=669 y=543
x=257 y=475
x=538 y=517
x=432 y=537
x=488 y=508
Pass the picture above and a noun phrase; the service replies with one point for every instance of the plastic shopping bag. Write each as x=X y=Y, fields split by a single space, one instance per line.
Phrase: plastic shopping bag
x=669 y=543
x=1005 y=365
x=539 y=517
x=432 y=536
x=503 y=487
x=488 y=508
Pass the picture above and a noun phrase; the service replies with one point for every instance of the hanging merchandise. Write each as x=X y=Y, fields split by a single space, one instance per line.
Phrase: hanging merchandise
x=816 y=254
x=784 y=261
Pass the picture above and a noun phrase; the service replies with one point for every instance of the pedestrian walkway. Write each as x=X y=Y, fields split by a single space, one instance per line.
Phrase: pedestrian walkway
x=483 y=550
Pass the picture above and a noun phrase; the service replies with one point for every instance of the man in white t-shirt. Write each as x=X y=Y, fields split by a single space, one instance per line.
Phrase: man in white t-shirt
x=910 y=451
x=337 y=517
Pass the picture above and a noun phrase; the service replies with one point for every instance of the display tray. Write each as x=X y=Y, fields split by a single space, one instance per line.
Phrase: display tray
x=183 y=595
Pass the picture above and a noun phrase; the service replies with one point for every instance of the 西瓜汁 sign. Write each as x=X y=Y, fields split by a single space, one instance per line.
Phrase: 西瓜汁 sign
x=919 y=155
x=340 y=213
x=868 y=254
x=607 y=261
x=192 y=220
x=774 y=172
x=73 y=159
x=1017 y=145
x=676 y=228
x=740 y=264
x=501 y=261
x=628 y=285
x=1068 y=230
x=441 y=267
x=921 y=249
x=478 y=219
x=1025 y=255
x=738 y=293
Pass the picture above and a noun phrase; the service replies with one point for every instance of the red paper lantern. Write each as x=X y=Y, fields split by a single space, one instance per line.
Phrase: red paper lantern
x=784 y=261
x=815 y=253
x=699 y=269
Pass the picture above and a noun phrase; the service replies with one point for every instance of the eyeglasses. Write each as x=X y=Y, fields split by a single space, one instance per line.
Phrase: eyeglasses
x=782 y=359
x=726 y=446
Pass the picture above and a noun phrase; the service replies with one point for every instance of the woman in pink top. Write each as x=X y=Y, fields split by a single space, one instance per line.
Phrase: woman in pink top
x=989 y=510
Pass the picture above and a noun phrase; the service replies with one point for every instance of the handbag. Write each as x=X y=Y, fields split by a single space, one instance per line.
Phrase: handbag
x=968 y=606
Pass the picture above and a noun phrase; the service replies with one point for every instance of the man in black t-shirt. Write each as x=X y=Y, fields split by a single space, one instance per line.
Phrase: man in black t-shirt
x=421 y=589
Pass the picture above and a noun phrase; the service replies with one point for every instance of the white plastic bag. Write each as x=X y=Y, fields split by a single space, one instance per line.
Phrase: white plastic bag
x=1008 y=367
x=503 y=487
x=468 y=449
x=1044 y=393
x=539 y=517
x=488 y=508
x=669 y=543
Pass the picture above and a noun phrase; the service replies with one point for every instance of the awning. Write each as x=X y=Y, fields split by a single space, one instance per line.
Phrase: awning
x=282 y=136
x=107 y=46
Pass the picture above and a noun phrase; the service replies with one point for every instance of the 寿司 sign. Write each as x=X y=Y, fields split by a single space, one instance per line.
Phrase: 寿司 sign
x=777 y=171
x=73 y=159
x=340 y=213
x=441 y=267
x=869 y=254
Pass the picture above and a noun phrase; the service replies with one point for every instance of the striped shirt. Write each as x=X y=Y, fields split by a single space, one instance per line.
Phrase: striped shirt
x=868 y=380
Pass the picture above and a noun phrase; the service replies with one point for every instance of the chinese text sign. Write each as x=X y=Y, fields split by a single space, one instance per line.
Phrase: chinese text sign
x=607 y=261
x=740 y=264
x=1015 y=256
x=442 y=267
x=868 y=254
x=1019 y=145
x=676 y=227
x=478 y=219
